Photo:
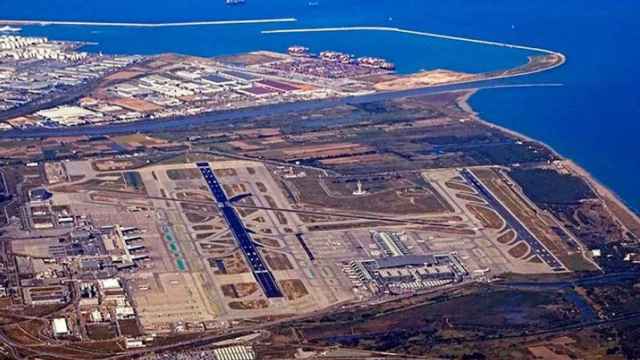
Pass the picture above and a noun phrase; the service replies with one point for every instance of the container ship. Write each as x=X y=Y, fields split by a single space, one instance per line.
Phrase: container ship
x=375 y=63
x=299 y=51
x=336 y=56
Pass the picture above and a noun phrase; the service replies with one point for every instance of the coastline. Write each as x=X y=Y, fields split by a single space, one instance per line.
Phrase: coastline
x=502 y=74
x=598 y=187
x=607 y=193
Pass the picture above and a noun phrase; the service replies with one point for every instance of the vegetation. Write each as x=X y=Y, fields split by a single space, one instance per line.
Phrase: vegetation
x=545 y=186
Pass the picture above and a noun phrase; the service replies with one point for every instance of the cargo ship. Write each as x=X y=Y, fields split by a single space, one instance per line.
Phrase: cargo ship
x=374 y=62
x=299 y=51
x=336 y=56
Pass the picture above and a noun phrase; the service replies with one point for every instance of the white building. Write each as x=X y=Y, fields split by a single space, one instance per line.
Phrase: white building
x=70 y=115
x=60 y=327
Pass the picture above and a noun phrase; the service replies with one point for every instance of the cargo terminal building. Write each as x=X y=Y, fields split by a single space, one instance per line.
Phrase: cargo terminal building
x=411 y=272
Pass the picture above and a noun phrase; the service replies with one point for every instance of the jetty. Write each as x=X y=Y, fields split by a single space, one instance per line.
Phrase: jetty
x=145 y=24
x=411 y=32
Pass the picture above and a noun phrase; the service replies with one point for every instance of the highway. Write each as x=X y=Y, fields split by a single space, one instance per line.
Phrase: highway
x=263 y=275
x=523 y=233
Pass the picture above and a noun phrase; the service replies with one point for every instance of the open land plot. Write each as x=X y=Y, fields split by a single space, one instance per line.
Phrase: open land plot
x=488 y=217
x=519 y=250
x=293 y=289
x=239 y=290
x=507 y=237
x=323 y=192
x=252 y=58
x=455 y=185
x=36 y=247
x=470 y=198
x=426 y=78
x=136 y=104
x=183 y=174
x=101 y=331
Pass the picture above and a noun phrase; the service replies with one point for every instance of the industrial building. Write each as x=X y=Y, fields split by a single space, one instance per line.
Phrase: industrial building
x=59 y=327
x=70 y=115
x=46 y=295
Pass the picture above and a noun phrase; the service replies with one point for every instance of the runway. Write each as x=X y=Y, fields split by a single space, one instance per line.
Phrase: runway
x=260 y=271
x=523 y=233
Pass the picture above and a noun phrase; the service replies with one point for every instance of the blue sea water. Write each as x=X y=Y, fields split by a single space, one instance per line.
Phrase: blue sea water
x=592 y=119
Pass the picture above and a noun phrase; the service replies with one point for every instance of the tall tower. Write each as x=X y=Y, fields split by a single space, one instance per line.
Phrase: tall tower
x=359 y=190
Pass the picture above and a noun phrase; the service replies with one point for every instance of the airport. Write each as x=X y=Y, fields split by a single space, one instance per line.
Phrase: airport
x=288 y=204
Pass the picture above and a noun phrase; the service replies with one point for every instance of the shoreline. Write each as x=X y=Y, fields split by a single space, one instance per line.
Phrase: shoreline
x=562 y=58
x=144 y=24
x=597 y=186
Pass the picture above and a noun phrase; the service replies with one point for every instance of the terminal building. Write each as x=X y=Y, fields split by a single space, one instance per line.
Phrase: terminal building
x=408 y=272
x=125 y=245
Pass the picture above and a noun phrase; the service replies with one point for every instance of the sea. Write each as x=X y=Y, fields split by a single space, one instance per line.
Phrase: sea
x=594 y=118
